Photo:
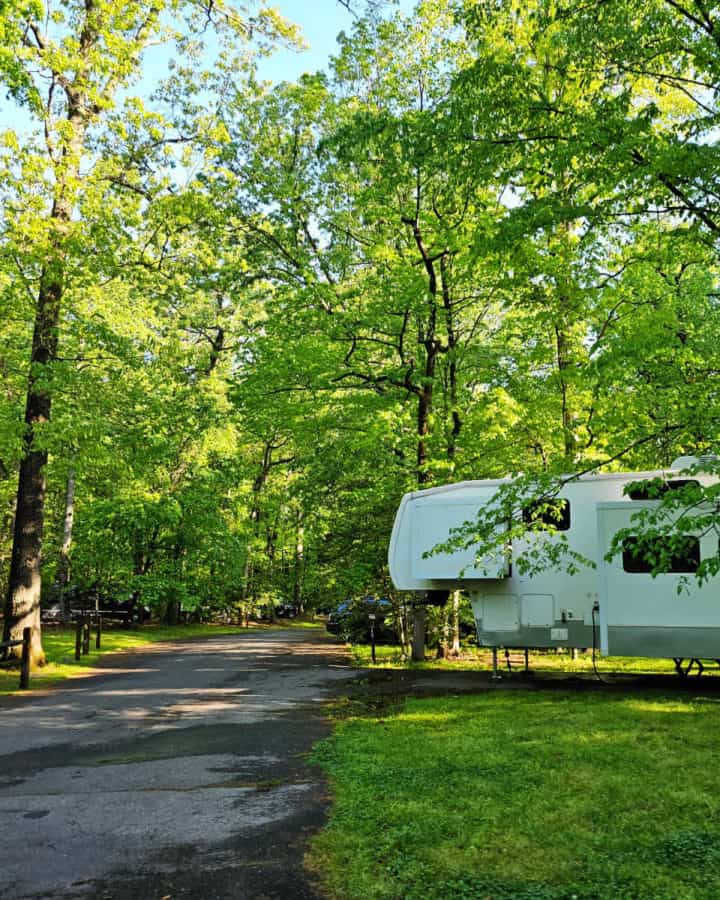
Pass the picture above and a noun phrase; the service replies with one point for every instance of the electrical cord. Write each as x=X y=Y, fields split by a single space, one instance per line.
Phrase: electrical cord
x=599 y=677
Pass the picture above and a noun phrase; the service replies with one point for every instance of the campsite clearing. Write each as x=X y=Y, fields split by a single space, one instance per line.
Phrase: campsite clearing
x=519 y=794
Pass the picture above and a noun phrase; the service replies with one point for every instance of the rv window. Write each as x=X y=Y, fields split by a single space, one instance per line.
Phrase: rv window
x=553 y=513
x=636 y=553
x=654 y=490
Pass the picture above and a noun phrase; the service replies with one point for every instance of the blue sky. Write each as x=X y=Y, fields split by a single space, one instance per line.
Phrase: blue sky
x=320 y=22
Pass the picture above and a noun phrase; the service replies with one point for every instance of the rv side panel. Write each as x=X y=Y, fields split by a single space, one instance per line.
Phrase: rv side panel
x=668 y=615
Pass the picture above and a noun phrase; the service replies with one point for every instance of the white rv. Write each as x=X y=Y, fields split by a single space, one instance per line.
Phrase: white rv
x=639 y=615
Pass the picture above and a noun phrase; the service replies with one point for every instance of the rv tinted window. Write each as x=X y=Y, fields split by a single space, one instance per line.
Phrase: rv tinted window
x=639 y=556
x=653 y=490
x=553 y=513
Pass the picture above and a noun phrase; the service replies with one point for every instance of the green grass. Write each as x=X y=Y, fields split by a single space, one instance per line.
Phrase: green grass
x=59 y=646
x=549 y=662
x=515 y=794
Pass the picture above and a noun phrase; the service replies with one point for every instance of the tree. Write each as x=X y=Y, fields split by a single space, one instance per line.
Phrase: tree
x=601 y=124
x=602 y=130
x=67 y=67
x=380 y=296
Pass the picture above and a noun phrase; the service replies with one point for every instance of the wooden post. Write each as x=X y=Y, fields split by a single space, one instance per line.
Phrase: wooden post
x=78 y=637
x=98 y=632
x=25 y=663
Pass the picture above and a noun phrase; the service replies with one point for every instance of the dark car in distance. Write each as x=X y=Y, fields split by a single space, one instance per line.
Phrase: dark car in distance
x=78 y=601
x=351 y=621
x=286 y=611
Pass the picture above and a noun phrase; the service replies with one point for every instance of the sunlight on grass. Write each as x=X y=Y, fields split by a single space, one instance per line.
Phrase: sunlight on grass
x=648 y=706
x=525 y=795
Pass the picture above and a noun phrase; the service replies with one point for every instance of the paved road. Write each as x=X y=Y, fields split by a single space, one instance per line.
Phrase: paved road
x=176 y=773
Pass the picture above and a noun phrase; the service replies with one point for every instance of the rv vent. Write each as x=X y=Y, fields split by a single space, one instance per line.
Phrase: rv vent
x=685 y=462
x=708 y=460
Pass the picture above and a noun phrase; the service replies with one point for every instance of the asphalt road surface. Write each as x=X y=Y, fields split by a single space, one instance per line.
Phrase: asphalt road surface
x=178 y=772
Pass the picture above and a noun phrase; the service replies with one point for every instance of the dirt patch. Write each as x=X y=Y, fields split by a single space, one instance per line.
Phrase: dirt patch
x=380 y=690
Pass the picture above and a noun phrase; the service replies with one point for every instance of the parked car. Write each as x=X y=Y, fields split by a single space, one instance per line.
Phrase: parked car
x=51 y=614
x=351 y=620
x=78 y=601
x=286 y=611
x=335 y=619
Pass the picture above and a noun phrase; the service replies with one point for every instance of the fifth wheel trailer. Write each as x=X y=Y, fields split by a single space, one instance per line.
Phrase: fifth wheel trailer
x=646 y=615
x=639 y=615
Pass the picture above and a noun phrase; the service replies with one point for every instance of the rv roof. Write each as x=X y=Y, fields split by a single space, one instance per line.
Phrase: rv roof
x=496 y=482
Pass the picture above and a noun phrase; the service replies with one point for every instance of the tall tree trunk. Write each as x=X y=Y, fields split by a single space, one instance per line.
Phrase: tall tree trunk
x=249 y=595
x=62 y=576
x=564 y=365
x=299 y=566
x=569 y=347
x=427 y=339
x=443 y=649
x=452 y=370
x=270 y=543
x=401 y=619
x=22 y=609
x=272 y=617
x=246 y=591
x=424 y=476
x=7 y=520
x=455 y=647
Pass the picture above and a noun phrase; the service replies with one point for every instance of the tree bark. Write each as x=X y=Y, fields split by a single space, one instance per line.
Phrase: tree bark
x=299 y=566
x=418 y=637
x=424 y=477
x=249 y=586
x=443 y=649
x=455 y=647
x=270 y=539
x=452 y=343
x=22 y=609
x=426 y=338
x=172 y=612
x=402 y=626
x=246 y=591
x=567 y=419
x=62 y=577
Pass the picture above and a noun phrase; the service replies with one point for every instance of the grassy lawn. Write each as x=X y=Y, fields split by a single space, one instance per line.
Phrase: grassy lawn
x=59 y=645
x=515 y=794
x=481 y=659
